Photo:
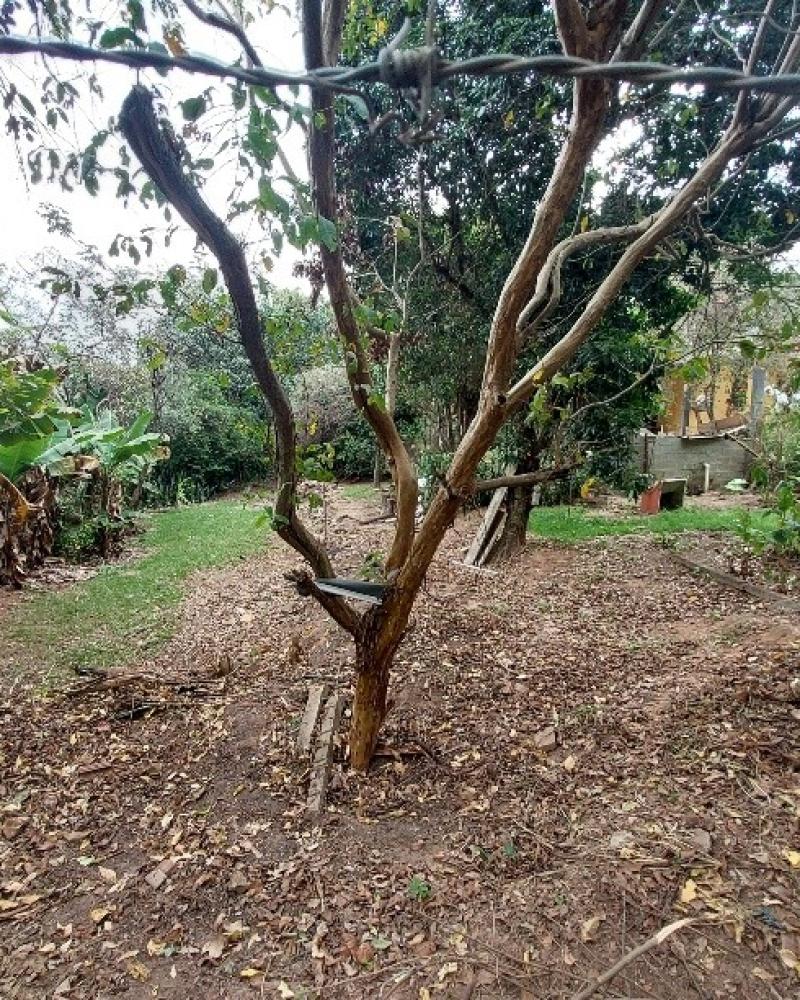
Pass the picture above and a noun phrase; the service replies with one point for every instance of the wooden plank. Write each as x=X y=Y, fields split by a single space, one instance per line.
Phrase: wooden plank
x=488 y=527
x=737 y=583
x=309 y=721
x=323 y=756
x=494 y=538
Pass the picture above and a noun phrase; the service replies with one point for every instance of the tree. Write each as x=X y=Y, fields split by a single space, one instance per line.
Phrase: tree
x=734 y=130
x=513 y=124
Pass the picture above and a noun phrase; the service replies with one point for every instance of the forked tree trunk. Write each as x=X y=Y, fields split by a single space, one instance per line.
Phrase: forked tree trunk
x=369 y=706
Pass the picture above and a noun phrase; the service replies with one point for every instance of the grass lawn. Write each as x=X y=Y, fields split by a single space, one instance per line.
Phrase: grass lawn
x=577 y=524
x=359 y=491
x=128 y=610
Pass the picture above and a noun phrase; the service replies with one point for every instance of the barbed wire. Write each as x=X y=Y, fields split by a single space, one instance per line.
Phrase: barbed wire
x=412 y=69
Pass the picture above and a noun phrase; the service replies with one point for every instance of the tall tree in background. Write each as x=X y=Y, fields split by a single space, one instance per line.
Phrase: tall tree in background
x=721 y=144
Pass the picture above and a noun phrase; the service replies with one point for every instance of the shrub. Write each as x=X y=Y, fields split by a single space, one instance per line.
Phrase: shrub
x=215 y=444
x=354 y=451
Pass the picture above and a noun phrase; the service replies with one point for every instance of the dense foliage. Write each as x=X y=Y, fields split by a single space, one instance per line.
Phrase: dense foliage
x=47 y=448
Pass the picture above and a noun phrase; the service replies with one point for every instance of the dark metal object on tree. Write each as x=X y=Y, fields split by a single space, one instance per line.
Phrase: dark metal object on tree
x=359 y=590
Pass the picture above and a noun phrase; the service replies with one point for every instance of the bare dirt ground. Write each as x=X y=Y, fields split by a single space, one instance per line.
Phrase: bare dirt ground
x=171 y=855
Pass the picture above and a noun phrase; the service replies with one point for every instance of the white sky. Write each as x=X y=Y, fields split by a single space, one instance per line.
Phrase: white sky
x=97 y=220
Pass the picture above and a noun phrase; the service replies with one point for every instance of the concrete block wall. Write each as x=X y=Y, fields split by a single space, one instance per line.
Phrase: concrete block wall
x=671 y=457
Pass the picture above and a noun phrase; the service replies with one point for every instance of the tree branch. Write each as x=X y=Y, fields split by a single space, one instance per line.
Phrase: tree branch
x=527 y=478
x=228 y=25
x=140 y=127
x=548 y=285
x=736 y=141
x=633 y=41
x=631 y=956
x=743 y=101
x=343 y=299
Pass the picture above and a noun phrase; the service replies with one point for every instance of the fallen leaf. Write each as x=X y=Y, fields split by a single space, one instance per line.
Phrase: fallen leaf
x=251 y=973
x=569 y=763
x=793 y=857
x=364 y=953
x=215 y=947
x=235 y=930
x=701 y=839
x=545 y=739
x=448 y=969
x=688 y=891
x=758 y=973
x=620 y=839
x=99 y=913
x=158 y=876
x=589 y=927
x=12 y=826
x=138 y=971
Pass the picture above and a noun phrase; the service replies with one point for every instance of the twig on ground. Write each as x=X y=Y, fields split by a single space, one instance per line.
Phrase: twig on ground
x=652 y=942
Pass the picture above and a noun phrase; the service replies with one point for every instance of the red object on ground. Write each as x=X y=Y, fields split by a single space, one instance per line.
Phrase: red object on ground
x=650 y=502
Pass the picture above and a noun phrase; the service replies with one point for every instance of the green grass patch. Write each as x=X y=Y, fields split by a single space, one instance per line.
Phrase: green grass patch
x=358 y=491
x=577 y=524
x=128 y=611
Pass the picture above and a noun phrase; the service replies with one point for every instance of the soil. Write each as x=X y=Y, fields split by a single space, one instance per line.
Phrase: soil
x=583 y=747
x=781 y=574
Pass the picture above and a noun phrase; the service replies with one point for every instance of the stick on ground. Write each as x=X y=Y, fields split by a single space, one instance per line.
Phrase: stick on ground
x=632 y=955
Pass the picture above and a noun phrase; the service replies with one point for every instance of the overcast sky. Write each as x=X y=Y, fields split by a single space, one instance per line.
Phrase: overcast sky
x=97 y=220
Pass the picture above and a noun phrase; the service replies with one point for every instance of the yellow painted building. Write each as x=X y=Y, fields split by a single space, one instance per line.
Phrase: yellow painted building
x=731 y=406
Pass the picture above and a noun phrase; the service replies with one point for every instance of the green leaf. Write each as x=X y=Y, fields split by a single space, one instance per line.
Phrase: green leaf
x=327 y=232
x=136 y=14
x=27 y=104
x=17 y=458
x=193 y=108
x=270 y=201
x=210 y=278
x=115 y=37
x=358 y=104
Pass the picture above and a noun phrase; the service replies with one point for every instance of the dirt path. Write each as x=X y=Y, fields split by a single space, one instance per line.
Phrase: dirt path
x=672 y=791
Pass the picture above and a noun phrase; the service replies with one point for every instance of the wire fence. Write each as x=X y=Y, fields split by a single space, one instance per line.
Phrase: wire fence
x=418 y=69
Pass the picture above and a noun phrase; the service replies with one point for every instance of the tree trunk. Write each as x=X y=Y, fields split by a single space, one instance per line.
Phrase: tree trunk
x=381 y=632
x=518 y=504
x=369 y=706
x=519 y=501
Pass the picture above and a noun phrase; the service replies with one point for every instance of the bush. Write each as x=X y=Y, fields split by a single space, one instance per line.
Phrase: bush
x=780 y=447
x=84 y=531
x=354 y=451
x=215 y=444
x=322 y=404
